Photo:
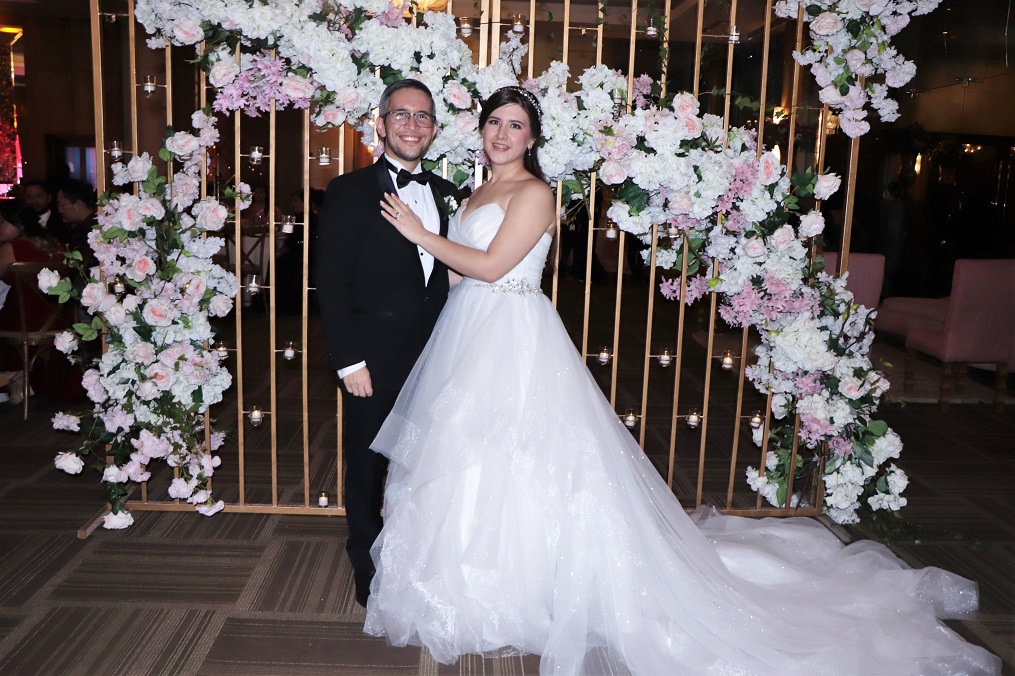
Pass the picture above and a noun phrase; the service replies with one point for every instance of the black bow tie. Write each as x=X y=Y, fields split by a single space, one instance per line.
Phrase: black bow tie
x=403 y=177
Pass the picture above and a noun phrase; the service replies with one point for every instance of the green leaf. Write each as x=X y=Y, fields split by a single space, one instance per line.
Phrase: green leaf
x=634 y=196
x=877 y=427
x=165 y=155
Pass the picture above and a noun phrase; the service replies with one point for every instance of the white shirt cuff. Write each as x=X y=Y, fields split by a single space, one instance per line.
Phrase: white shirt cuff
x=342 y=373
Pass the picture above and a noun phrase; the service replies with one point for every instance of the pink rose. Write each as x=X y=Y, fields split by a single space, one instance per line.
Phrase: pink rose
x=457 y=95
x=466 y=122
x=693 y=126
x=116 y=315
x=223 y=72
x=769 y=169
x=854 y=59
x=187 y=31
x=158 y=313
x=130 y=217
x=612 y=172
x=330 y=115
x=94 y=295
x=685 y=105
x=66 y=342
x=812 y=224
x=142 y=267
x=183 y=144
x=853 y=128
x=896 y=23
x=348 y=98
x=138 y=167
x=151 y=208
x=160 y=375
x=220 y=306
x=297 y=88
x=826 y=23
x=213 y=216
x=141 y=353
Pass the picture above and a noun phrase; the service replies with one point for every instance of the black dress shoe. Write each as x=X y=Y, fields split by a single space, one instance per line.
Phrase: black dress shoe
x=362 y=579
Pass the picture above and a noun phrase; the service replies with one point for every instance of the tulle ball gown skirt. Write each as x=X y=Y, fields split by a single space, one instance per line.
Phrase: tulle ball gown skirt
x=521 y=516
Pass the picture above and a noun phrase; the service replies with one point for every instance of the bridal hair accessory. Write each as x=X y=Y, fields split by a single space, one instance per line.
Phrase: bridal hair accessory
x=529 y=96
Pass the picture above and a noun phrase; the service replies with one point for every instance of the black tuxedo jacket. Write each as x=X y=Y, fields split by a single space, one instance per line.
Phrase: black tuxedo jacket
x=370 y=283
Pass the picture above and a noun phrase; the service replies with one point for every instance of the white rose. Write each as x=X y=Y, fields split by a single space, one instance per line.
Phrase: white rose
x=66 y=342
x=826 y=186
x=782 y=238
x=223 y=72
x=94 y=296
x=114 y=475
x=220 y=306
x=812 y=224
x=147 y=390
x=826 y=23
x=69 y=462
x=117 y=521
x=48 y=279
x=612 y=172
x=754 y=247
x=183 y=144
x=209 y=510
x=151 y=208
x=332 y=115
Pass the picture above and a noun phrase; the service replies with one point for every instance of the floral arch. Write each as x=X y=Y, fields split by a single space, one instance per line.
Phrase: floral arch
x=690 y=174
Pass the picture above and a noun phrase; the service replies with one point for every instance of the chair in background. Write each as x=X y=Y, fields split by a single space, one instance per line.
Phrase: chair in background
x=866 y=275
x=974 y=325
x=32 y=319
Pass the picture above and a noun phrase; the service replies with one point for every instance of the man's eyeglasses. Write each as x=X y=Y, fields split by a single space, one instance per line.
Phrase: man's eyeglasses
x=400 y=117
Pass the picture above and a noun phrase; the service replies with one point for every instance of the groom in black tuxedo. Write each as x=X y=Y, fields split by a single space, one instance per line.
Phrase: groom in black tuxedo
x=380 y=297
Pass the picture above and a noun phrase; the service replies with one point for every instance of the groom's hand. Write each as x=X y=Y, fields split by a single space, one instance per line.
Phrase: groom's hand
x=358 y=383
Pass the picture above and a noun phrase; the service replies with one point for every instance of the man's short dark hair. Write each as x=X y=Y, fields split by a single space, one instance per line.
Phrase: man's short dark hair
x=38 y=183
x=382 y=108
x=75 y=190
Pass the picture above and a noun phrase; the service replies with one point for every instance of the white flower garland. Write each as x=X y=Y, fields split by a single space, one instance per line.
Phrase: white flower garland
x=672 y=168
x=153 y=290
x=851 y=42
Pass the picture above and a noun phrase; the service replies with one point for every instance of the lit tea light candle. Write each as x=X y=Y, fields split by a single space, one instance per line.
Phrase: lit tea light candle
x=604 y=355
x=665 y=358
x=693 y=418
x=323 y=500
x=290 y=351
x=256 y=154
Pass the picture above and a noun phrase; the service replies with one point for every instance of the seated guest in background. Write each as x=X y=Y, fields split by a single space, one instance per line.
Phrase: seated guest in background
x=40 y=199
x=289 y=264
x=23 y=240
x=76 y=201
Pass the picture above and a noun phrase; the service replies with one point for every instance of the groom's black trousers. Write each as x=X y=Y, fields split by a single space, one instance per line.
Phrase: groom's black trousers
x=364 y=471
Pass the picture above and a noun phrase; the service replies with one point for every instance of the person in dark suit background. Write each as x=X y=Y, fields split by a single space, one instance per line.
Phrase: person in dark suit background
x=380 y=296
x=39 y=197
x=76 y=201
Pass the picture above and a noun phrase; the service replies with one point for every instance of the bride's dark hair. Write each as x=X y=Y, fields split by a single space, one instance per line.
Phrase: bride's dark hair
x=530 y=104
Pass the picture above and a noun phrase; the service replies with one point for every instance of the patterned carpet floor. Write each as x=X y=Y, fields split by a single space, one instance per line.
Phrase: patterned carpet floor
x=272 y=595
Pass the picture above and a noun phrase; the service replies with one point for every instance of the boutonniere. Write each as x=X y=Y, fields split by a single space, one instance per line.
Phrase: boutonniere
x=449 y=205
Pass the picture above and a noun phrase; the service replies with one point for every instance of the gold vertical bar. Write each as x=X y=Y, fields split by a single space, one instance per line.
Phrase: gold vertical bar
x=202 y=101
x=665 y=70
x=646 y=366
x=100 y=120
x=131 y=37
x=238 y=249
x=484 y=34
x=567 y=31
x=791 y=475
x=304 y=328
x=795 y=96
x=697 y=47
x=616 y=318
x=738 y=419
x=270 y=275
x=847 y=218
x=730 y=48
x=708 y=384
x=532 y=38
x=764 y=76
x=678 y=360
x=495 y=26
x=554 y=286
x=339 y=448
x=764 y=438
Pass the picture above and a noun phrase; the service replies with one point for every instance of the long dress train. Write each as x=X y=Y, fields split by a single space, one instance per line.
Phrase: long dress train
x=522 y=516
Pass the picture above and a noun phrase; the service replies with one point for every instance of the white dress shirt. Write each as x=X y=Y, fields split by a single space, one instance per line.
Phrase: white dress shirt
x=420 y=199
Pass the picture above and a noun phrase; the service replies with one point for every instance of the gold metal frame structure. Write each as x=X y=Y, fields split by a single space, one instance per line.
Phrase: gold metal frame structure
x=672 y=447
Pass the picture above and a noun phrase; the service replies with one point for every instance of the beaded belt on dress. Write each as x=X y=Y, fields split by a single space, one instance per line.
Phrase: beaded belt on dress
x=518 y=286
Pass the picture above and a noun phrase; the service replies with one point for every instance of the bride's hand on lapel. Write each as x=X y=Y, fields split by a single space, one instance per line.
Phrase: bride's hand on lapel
x=402 y=217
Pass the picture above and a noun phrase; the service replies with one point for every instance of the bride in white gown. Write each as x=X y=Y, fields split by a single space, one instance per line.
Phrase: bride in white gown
x=522 y=516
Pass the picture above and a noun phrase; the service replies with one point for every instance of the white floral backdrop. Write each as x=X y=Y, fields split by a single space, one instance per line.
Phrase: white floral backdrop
x=671 y=167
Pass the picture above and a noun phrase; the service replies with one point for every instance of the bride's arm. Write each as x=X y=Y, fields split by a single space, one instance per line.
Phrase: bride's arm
x=529 y=214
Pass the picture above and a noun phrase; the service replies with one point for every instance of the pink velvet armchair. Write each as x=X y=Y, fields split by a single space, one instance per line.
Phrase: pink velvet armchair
x=866 y=275
x=975 y=325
